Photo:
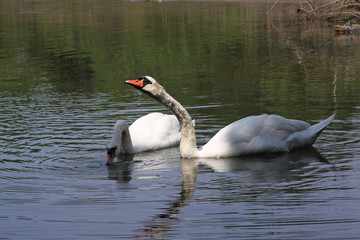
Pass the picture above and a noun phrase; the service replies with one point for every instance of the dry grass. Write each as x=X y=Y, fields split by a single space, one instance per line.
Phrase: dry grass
x=332 y=11
x=337 y=10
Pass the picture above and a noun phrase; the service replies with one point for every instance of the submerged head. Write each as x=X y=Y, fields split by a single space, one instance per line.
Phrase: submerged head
x=147 y=85
x=120 y=142
x=110 y=154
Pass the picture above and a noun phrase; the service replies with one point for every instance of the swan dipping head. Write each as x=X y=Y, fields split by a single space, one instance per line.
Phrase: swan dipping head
x=120 y=143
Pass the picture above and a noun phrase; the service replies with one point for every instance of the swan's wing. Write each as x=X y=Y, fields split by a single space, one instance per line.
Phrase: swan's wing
x=254 y=134
x=155 y=131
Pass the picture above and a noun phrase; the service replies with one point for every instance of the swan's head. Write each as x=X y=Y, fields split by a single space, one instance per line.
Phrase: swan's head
x=113 y=148
x=147 y=85
x=110 y=154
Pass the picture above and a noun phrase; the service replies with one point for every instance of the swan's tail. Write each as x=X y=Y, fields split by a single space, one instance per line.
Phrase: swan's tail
x=319 y=127
x=308 y=136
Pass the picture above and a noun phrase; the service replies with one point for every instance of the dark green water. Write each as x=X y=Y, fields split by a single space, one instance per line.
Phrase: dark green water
x=63 y=64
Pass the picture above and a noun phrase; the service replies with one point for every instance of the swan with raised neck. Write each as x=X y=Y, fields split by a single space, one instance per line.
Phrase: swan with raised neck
x=250 y=135
x=152 y=88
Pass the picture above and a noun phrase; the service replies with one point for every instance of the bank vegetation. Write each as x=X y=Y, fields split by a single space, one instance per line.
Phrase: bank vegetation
x=335 y=11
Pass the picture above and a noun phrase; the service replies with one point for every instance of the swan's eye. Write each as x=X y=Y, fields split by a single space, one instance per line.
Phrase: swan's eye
x=146 y=82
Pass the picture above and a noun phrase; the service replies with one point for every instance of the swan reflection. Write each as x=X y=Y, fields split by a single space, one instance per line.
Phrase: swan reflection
x=121 y=170
x=269 y=162
x=151 y=161
x=161 y=224
x=258 y=167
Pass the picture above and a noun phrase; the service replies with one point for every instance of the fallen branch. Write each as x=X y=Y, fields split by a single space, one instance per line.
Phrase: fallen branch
x=336 y=10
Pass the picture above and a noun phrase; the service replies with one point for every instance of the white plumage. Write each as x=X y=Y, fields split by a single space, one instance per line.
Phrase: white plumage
x=155 y=131
x=261 y=134
x=250 y=135
x=150 y=132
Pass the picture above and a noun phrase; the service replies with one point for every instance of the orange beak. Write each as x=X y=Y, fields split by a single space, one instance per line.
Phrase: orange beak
x=137 y=82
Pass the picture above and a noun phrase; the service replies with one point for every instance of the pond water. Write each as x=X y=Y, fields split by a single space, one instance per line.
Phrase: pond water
x=61 y=91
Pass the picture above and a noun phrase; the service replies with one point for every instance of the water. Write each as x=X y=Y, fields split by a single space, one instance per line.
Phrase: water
x=63 y=66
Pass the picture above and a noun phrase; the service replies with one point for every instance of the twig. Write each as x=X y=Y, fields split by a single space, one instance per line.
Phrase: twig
x=268 y=12
x=325 y=5
x=311 y=7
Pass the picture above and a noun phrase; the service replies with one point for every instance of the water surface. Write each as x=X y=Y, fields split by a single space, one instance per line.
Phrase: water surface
x=62 y=71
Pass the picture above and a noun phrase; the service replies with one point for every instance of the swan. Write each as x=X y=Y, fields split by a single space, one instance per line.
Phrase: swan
x=150 y=132
x=250 y=135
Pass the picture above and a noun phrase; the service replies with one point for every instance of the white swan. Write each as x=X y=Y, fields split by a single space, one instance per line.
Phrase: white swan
x=250 y=135
x=150 y=132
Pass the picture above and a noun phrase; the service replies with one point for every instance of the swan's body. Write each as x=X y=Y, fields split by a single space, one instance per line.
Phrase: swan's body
x=260 y=134
x=150 y=132
x=250 y=135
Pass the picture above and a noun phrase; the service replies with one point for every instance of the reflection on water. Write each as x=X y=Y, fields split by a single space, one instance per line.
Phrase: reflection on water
x=61 y=91
x=121 y=171
x=272 y=168
x=161 y=225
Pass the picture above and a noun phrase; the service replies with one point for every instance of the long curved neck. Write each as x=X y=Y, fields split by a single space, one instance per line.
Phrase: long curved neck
x=188 y=148
x=126 y=142
x=122 y=138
